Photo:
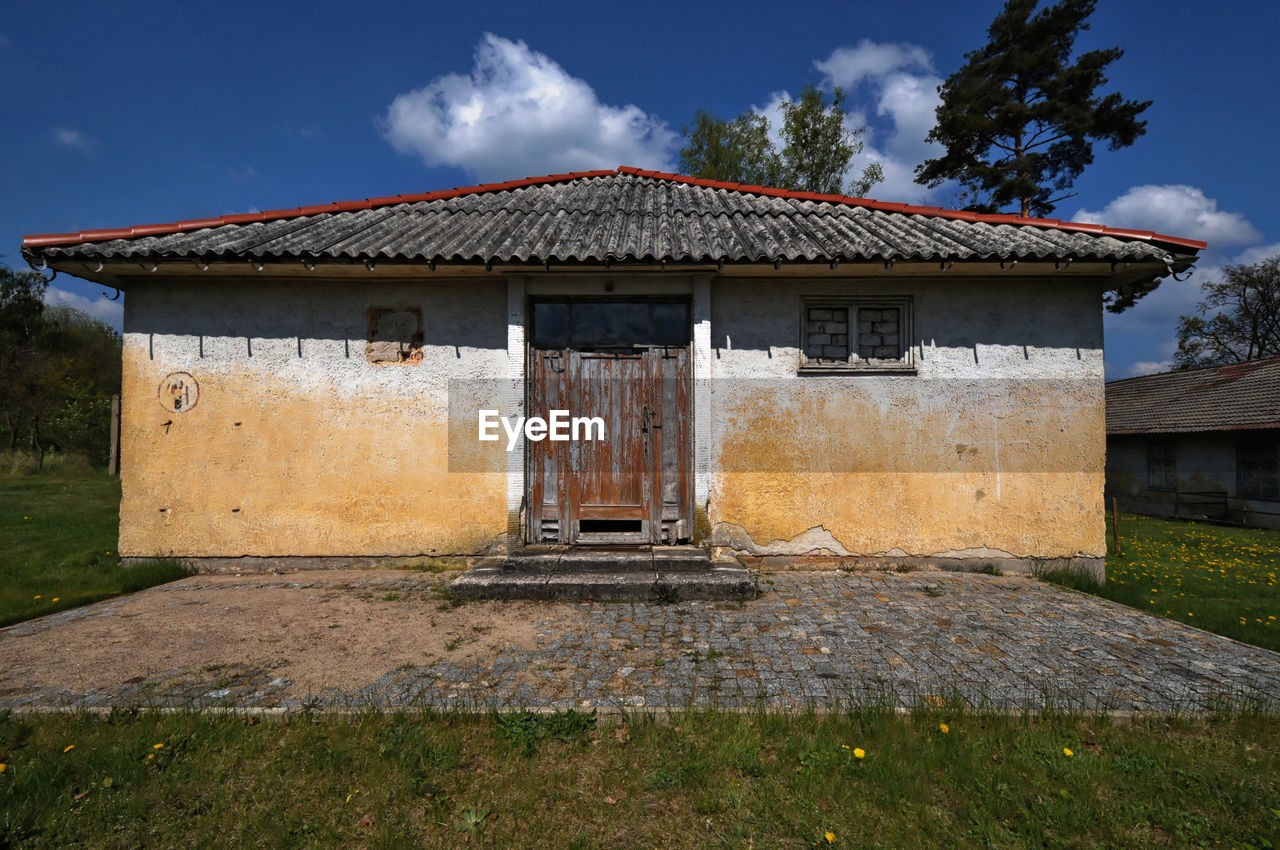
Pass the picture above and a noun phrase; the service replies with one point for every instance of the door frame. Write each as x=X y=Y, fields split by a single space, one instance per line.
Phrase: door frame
x=687 y=481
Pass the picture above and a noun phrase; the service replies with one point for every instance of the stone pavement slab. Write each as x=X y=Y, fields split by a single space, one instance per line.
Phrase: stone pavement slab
x=813 y=639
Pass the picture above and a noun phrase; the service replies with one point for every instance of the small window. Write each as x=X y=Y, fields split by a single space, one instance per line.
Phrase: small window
x=1257 y=470
x=1162 y=465
x=856 y=335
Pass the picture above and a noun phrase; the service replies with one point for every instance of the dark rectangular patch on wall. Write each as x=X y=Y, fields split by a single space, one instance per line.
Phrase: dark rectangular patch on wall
x=394 y=335
x=1258 y=467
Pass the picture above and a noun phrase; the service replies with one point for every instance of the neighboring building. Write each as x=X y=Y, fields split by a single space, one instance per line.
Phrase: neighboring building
x=779 y=374
x=1200 y=443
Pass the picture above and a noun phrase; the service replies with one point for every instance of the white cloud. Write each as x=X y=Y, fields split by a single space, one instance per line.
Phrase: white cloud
x=890 y=94
x=1175 y=210
x=897 y=84
x=520 y=113
x=74 y=139
x=1257 y=254
x=849 y=66
x=1149 y=367
x=111 y=312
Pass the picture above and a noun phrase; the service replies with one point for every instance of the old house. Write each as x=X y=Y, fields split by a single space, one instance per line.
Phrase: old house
x=777 y=374
x=1203 y=443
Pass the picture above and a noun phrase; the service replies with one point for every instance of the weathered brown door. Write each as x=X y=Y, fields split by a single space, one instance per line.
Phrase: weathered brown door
x=619 y=370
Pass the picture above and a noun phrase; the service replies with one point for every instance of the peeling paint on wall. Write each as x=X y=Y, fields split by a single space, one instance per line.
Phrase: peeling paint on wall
x=273 y=437
x=993 y=449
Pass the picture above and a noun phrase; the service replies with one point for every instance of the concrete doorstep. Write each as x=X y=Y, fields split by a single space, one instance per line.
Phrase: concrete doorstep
x=639 y=574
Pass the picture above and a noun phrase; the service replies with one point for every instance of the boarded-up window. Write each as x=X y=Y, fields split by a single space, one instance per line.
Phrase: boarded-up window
x=1162 y=465
x=1257 y=469
x=879 y=333
x=856 y=333
x=827 y=334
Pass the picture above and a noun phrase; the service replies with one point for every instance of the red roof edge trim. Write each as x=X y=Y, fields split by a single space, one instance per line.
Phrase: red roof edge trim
x=199 y=223
x=50 y=239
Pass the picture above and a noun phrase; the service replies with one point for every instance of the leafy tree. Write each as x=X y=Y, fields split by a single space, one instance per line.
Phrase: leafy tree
x=58 y=370
x=1018 y=120
x=81 y=372
x=21 y=320
x=816 y=156
x=819 y=147
x=737 y=151
x=21 y=304
x=1246 y=325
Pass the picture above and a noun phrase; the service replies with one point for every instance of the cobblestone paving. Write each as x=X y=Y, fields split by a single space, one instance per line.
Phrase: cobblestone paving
x=812 y=639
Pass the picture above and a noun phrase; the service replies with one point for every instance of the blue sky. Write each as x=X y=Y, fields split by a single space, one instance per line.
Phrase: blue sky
x=134 y=112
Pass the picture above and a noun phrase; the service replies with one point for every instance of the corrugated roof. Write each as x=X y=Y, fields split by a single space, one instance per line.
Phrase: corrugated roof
x=1219 y=398
x=616 y=216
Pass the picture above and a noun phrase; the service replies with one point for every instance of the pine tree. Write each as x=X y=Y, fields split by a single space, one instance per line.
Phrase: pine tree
x=1019 y=119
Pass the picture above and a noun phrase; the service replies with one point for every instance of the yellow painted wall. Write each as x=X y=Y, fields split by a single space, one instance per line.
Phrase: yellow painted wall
x=299 y=446
x=993 y=447
x=318 y=454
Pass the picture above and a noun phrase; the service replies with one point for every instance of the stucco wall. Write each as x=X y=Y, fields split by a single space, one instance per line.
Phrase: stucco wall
x=993 y=449
x=296 y=443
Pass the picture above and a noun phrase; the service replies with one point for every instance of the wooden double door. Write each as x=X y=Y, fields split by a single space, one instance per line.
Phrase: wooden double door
x=618 y=372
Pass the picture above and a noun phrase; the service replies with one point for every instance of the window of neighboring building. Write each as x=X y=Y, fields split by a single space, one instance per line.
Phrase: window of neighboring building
x=856 y=334
x=1257 y=470
x=1162 y=465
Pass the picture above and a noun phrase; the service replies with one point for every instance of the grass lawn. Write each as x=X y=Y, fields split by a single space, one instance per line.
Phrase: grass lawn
x=705 y=779
x=1220 y=579
x=58 y=545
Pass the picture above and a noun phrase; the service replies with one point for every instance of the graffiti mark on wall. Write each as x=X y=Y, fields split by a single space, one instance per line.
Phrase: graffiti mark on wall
x=179 y=392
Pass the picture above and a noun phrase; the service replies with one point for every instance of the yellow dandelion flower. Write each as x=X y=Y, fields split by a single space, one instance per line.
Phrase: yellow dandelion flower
x=859 y=753
x=944 y=728
x=69 y=748
x=3 y=767
x=38 y=596
x=157 y=746
x=1066 y=751
x=829 y=836
x=56 y=598
x=150 y=756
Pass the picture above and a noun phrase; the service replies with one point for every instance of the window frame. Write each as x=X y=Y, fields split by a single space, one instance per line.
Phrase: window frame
x=1262 y=446
x=1168 y=465
x=904 y=365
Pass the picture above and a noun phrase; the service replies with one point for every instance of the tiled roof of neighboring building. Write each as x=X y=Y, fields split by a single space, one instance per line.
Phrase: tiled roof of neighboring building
x=1219 y=398
x=626 y=215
